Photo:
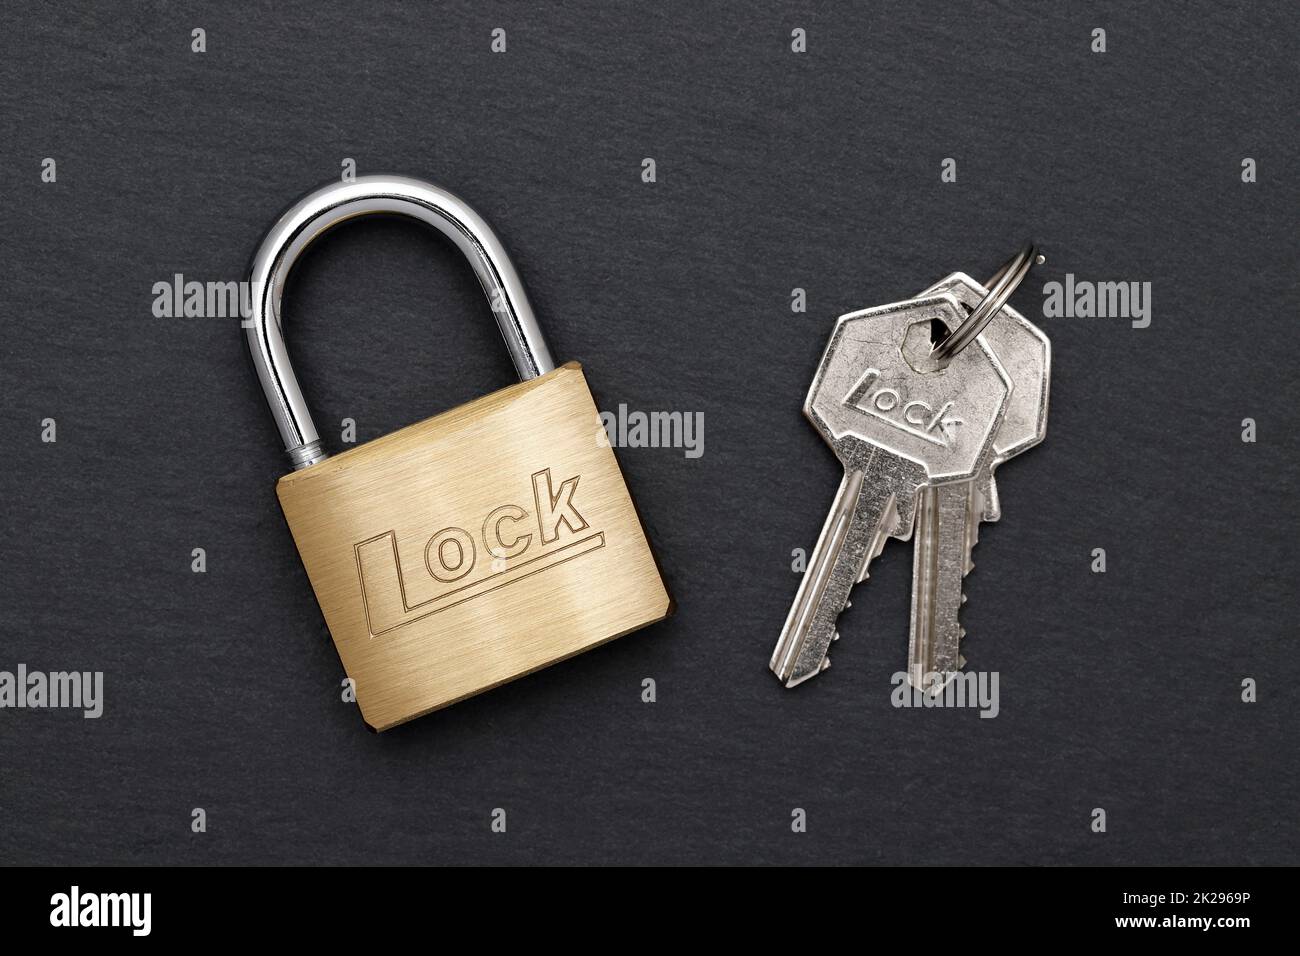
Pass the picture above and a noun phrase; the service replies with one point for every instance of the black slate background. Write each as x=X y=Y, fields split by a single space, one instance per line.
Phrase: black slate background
x=775 y=171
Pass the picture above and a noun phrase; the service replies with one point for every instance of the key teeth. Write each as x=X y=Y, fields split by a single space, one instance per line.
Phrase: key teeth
x=826 y=661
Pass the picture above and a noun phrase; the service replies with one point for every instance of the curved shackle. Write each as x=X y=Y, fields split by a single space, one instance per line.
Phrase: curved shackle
x=325 y=208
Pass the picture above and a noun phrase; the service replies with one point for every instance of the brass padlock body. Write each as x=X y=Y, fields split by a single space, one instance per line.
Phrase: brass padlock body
x=473 y=547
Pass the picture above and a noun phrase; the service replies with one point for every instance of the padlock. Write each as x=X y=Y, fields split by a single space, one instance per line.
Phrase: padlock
x=471 y=548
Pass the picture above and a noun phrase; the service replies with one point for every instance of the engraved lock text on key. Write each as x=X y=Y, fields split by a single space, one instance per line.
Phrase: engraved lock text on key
x=473 y=547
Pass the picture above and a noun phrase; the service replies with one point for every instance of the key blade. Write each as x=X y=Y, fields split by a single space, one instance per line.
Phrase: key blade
x=862 y=506
x=799 y=653
x=942 y=541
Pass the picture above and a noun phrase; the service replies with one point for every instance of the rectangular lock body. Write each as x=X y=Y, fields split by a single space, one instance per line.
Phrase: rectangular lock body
x=474 y=547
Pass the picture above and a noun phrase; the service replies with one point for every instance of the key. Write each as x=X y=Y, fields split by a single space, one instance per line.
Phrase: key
x=897 y=422
x=947 y=518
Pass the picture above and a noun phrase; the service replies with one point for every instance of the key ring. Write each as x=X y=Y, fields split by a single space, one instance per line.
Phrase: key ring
x=1004 y=282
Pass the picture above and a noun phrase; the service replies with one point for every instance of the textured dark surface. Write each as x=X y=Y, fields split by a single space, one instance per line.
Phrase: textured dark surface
x=775 y=170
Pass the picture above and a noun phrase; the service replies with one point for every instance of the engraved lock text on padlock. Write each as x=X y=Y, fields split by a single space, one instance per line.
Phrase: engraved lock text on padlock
x=473 y=547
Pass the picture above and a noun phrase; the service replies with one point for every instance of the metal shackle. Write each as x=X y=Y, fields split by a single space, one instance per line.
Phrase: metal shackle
x=319 y=211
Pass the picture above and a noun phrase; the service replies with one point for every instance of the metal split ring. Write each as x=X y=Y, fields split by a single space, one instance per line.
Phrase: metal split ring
x=1004 y=282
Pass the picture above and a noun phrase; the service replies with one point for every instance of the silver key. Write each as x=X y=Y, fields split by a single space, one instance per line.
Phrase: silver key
x=897 y=422
x=948 y=518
